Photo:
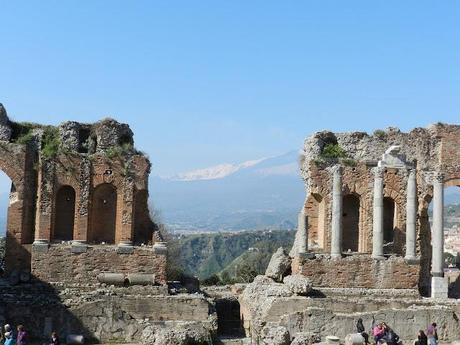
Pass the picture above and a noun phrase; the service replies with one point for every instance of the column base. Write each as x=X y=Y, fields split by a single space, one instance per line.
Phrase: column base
x=378 y=257
x=125 y=247
x=40 y=245
x=336 y=256
x=78 y=246
x=439 y=287
x=412 y=260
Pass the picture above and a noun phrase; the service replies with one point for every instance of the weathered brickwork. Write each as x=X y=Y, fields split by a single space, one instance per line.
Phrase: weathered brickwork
x=430 y=151
x=82 y=183
x=59 y=264
x=362 y=270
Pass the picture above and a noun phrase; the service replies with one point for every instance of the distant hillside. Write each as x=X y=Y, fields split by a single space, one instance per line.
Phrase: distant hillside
x=255 y=195
x=204 y=255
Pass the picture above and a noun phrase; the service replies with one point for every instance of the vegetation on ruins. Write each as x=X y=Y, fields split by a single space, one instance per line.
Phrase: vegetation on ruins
x=50 y=142
x=333 y=151
x=379 y=134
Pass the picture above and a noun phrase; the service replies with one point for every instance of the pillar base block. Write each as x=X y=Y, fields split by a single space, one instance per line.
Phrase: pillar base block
x=307 y=255
x=439 y=287
x=78 y=247
x=336 y=256
x=41 y=245
x=412 y=260
x=378 y=257
x=125 y=247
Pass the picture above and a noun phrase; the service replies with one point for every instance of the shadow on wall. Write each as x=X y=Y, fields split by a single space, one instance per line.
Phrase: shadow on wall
x=38 y=306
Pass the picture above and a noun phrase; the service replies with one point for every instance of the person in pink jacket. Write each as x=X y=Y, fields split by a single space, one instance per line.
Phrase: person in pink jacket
x=378 y=332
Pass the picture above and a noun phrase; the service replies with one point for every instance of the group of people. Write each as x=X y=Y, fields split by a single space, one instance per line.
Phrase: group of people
x=428 y=338
x=9 y=337
x=381 y=332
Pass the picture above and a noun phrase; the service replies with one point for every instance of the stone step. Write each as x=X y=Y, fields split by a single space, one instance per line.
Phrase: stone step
x=233 y=341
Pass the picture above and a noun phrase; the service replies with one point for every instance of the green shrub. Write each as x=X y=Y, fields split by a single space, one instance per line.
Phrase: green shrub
x=333 y=151
x=379 y=134
x=22 y=132
x=50 y=142
x=349 y=162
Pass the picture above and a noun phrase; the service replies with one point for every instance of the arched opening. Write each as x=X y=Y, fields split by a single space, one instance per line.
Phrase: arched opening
x=64 y=214
x=451 y=234
x=350 y=223
x=103 y=214
x=315 y=210
x=8 y=195
x=389 y=224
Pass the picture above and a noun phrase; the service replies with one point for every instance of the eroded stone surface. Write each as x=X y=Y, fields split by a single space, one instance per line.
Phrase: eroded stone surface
x=279 y=265
x=298 y=284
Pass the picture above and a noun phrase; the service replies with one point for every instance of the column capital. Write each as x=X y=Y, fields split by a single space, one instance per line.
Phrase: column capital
x=335 y=170
x=378 y=172
x=438 y=177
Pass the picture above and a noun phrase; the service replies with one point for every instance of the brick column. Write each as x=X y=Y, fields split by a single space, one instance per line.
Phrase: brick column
x=127 y=221
x=44 y=203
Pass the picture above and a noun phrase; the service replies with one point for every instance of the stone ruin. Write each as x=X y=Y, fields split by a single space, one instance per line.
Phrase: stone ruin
x=84 y=257
x=78 y=203
x=364 y=223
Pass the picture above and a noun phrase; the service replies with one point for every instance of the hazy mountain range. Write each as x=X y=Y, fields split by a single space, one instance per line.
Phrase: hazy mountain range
x=258 y=194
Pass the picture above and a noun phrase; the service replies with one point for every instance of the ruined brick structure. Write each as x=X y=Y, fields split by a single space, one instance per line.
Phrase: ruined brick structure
x=365 y=219
x=78 y=202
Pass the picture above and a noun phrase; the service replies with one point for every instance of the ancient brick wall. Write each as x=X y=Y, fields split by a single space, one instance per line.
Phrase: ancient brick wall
x=57 y=174
x=59 y=264
x=359 y=271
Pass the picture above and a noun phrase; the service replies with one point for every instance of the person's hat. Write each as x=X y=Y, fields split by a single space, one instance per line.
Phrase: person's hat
x=8 y=335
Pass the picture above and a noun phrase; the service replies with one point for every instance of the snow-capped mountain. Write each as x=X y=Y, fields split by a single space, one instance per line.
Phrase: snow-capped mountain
x=262 y=193
x=215 y=172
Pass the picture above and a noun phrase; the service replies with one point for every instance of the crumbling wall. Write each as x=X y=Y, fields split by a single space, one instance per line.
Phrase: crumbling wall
x=427 y=150
x=42 y=161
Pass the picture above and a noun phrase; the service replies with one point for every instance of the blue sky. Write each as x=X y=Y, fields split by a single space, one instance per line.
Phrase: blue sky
x=206 y=82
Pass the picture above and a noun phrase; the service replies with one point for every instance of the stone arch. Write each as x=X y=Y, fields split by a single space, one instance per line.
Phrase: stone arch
x=351 y=222
x=315 y=209
x=103 y=214
x=452 y=182
x=64 y=214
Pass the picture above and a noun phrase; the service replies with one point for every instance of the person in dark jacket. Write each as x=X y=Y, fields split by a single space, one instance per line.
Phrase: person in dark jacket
x=54 y=339
x=361 y=330
x=421 y=338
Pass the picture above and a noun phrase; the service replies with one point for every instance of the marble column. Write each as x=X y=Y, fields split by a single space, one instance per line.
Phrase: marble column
x=437 y=240
x=411 y=215
x=337 y=210
x=377 y=228
x=302 y=229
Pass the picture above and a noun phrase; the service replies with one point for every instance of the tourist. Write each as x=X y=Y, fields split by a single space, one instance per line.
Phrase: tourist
x=432 y=334
x=22 y=336
x=421 y=338
x=9 y=338
x=360 y=329
x=54 y=339
x=378 y=332
x=390 y=337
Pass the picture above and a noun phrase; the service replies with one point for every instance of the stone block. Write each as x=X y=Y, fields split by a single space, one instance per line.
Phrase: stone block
x=439 y=287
